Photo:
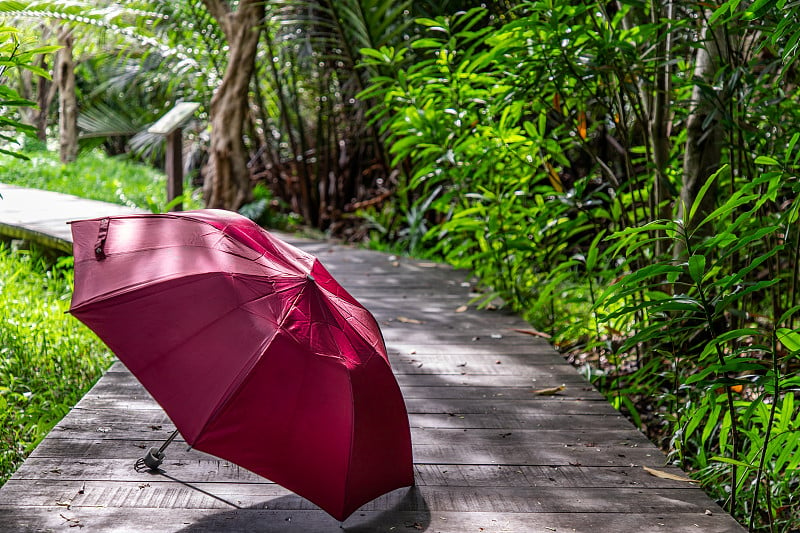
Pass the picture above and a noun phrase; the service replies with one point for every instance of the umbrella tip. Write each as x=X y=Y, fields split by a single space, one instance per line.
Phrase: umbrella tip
x=309 y=277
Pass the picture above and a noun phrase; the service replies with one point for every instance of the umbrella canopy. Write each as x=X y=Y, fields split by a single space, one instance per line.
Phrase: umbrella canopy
x=251 y=347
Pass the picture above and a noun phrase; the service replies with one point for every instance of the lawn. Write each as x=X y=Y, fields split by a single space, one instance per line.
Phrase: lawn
x=94 y=175
x=48 y=359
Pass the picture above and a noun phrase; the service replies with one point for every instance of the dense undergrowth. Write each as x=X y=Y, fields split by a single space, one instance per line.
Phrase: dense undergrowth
x=641 y=210
x=48 y=359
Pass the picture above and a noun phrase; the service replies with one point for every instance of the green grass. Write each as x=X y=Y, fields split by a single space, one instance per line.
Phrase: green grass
x=94 y=175
x=48 y=359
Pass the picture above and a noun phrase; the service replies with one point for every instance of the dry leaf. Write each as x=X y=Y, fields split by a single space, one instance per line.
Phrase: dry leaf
x=532 y=332
x=550 y=391
x=667 y=475
x=462 y=309
x=406 y=320
x=555 y=180
x=582 y=124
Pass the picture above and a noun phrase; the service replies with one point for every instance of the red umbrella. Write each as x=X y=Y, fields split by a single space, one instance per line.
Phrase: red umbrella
x=254 y=351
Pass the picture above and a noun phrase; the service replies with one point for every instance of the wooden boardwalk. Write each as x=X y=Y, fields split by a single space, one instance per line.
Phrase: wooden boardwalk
x=490 y=455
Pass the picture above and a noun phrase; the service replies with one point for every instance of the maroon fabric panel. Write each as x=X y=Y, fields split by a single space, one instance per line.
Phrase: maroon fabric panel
x=256 y=353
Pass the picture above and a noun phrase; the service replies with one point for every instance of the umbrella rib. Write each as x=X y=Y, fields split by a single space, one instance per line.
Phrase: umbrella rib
x=338 y=311
x=241 y=376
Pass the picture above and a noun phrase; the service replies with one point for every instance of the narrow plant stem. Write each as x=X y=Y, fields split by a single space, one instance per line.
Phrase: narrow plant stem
x=765 y=446
x=794 y=281
x=505 y=263
x=594 y=305
x=709 y=318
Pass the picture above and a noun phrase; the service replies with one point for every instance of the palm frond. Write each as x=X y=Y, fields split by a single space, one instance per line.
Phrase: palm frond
x=103 y=120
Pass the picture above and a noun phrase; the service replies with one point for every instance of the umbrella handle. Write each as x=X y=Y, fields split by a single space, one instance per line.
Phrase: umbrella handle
x=155 y=456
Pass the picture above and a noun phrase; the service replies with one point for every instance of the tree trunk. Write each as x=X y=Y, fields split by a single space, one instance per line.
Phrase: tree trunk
x=45 y=93
x=227 y=176
x=703 y=134
x=67 y=101
x=659 y=118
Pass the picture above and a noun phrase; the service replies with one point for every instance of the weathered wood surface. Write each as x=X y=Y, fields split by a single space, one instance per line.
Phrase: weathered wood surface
x=490 y=454
x=42 y=216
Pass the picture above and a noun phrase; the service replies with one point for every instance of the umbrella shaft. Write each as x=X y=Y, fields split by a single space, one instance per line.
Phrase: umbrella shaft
x=166 y=443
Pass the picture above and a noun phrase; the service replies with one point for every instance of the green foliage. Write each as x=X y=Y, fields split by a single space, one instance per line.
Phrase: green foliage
x=483 y=191
x=270 y=212
x=549 y=154
x=48 y=360
x=93 y=175
x=683 y=313
x=15 y=54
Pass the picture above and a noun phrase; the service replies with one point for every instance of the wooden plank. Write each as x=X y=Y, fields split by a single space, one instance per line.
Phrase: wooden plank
x=118 y=387
x=152 y=419
x=160 y=492
x=456 y=379
x=461 y=451
x=56 y=518
x=51 y=472
x=415 y=403
x=533 y=405
x=153 y=424
x=535 y=353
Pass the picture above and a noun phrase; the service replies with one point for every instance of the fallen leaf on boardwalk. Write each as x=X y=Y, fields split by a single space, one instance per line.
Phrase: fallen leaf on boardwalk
x=667 y=475
x=549 y=391
x=73 y=522
x=532 y=332
x=462 y=309
x=406 y=320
